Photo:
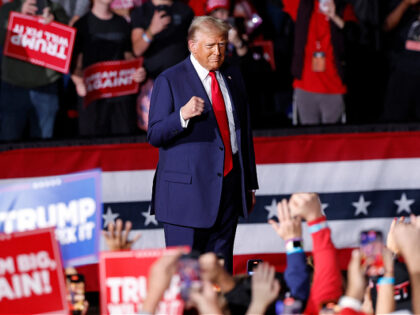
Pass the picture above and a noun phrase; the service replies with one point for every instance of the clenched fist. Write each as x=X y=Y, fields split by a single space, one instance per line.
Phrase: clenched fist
x=194 y=107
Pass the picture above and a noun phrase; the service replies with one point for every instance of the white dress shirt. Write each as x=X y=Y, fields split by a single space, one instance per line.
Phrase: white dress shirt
x=203 y=74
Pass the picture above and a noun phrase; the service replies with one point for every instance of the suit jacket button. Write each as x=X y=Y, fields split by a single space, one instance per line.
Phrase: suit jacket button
x=219 y=174
x=221 y=148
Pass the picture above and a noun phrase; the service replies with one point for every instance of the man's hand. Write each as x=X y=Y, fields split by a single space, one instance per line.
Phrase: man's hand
x=306 y=206
x=116 y=238
x=205 y=300
x=81 y=88
x=47 y=16
x=288 y=227
x=194 y=107
x=140 y=75
x=211 y=270
x=29 y=7
x=356 y=283
x=407 y=238
x=160 y=276
x=265 y=289
x=388 y=259
x=159 y=22
x=415 y=220
x=329 y=9
x=390 y=240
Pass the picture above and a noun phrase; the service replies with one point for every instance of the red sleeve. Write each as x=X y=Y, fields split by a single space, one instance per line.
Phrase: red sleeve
x=350 y=311
x=348 y=14
x=291 y=8
x=327 y=277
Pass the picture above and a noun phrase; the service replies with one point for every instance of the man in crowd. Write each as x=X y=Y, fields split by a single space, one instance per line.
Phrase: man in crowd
x=402 y=101
x=29 y=92
x=103 y=36
x=318 y=59
x=199 y=120
x=159 y=34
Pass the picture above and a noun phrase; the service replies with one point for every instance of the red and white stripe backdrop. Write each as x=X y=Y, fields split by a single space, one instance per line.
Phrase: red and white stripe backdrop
x=364 y=180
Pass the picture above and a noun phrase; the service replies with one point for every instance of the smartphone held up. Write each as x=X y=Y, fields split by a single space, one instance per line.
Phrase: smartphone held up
x=371 y=247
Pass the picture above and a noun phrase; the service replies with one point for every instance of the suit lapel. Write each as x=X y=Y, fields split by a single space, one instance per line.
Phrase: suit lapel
x=193 y=80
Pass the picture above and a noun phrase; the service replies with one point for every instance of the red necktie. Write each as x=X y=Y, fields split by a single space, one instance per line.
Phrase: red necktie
x=219 y=109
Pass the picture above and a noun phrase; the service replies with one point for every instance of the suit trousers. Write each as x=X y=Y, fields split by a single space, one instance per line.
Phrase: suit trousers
x=220 y=237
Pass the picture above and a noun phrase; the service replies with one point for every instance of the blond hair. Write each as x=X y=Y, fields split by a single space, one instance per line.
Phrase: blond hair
x=207 y=23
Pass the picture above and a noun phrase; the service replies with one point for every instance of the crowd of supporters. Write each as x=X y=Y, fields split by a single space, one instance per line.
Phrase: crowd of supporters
x=304 y=62
x=309 y=285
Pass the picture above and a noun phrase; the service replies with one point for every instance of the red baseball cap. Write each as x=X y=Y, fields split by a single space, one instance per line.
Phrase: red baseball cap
x=217 y=4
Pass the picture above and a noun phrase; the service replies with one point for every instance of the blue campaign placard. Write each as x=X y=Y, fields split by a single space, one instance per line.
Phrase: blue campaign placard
x=70 y=203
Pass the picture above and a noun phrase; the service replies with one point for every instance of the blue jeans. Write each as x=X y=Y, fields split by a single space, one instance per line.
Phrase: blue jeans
x=23 y=107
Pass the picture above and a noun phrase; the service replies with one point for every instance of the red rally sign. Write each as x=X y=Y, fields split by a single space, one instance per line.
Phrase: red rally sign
x=110 y=79
x=31 y=274
x=46 y=45
x=123 y=279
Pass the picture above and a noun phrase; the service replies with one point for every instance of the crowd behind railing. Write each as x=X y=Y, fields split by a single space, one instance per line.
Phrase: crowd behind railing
x=303 y=62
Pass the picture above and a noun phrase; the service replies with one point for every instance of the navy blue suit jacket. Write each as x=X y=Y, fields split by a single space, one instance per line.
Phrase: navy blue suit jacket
x=189 y=176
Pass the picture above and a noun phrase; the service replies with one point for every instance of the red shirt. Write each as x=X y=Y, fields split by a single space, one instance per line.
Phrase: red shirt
x=319 y=40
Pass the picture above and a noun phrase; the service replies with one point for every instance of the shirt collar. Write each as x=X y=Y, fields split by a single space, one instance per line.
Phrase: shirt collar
x=201 y=71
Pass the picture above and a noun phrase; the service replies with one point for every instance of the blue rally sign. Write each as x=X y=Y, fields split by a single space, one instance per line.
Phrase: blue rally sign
x=70 y=203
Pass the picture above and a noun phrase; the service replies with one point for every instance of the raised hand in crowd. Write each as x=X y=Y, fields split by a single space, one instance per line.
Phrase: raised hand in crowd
x=140 y=75
x=415 y=220
x=116 y=237
x=356 y=281
x=390 y=241
x=47 y=16
x=160 y=275
x=205 y=300
x=328 y=8
x=306 y=206
x=288 y=227
x=212 y=271
x=160 y=21
x=29 y=7
x=330 y=11
x=407 y=238
x=265 y=289
x=385 y=302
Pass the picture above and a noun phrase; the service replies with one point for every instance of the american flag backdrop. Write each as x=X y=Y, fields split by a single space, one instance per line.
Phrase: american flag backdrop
x=364 y=180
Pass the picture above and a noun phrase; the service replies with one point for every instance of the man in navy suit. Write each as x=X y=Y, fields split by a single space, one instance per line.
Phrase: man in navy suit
x=199 y=120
